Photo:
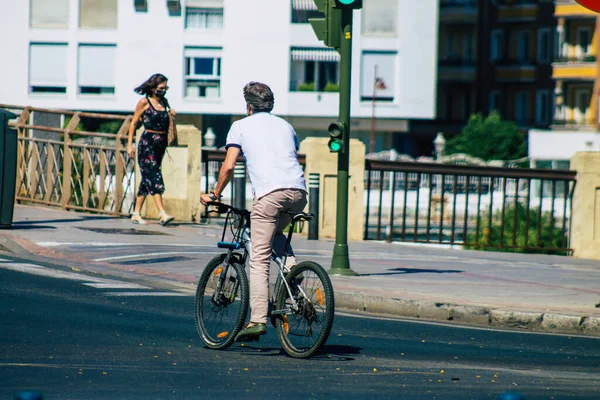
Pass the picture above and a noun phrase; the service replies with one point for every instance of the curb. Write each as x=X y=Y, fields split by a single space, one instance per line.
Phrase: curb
x=470 y=315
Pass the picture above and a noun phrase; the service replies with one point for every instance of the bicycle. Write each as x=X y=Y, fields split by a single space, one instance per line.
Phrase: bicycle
x=301 y=303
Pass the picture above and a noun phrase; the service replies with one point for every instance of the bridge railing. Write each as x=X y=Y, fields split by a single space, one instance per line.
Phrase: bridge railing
x=61 y=165
x=474 y=206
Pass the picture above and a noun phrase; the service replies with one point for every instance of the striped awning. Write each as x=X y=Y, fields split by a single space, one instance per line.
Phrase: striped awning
x=304 y=5
x=314 y=54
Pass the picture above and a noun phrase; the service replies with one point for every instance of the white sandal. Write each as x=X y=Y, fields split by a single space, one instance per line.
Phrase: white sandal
x=165 y=218
x=136 y=219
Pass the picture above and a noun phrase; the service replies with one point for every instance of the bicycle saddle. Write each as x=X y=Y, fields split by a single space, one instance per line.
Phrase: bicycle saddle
x=300 y=216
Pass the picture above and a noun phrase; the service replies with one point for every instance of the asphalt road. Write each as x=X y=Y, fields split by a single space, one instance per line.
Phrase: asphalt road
x=75 y=336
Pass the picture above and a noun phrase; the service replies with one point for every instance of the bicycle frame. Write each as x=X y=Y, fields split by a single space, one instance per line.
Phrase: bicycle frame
x=241 y=240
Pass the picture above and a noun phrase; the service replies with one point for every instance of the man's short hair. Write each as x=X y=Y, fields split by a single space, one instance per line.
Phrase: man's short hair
x=259 y=97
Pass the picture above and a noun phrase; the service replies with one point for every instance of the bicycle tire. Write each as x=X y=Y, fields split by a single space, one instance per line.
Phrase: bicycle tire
x=295 y=329
x=219 y=321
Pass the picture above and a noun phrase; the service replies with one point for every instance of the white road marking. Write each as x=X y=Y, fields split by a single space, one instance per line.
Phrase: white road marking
x=49 y=272
x=116 y=285
x=98 y=283
x=4 y=260
x=118 y=244
x=134 y=294
x=164 y=253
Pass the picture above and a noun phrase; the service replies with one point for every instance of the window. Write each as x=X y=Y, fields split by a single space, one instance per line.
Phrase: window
x=96 y=72
x=544 y=44
x=466 y=105
x=204 y=14
x=302 y=10
x=314 y=69
x=468 y=47
x=48 y=68
x=449 y=106
x=521 y=106
x=378 y=76
x=451 y=53
x=523 y=44
x=494 y=101
x=49 y=14
x=497 y=45
x=542 y=107
x=97 y=13
x=202 y=72
x=582 y=104
x=380 y=17
x=584 y=36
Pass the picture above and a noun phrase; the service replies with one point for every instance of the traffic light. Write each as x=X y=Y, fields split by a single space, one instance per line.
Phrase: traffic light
x=329 y=28
x=336 y=137
x=348 y=4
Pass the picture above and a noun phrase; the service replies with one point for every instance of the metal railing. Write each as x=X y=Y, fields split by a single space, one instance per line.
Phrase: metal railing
x=73 y=169
x=477 y=207
x=583 y=58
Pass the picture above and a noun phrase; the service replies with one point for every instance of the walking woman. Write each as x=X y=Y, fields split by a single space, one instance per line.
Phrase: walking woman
x=154 y=111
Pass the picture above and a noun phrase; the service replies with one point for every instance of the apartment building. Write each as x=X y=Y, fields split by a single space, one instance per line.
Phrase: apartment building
x=494 y=55
x=576 y=76
x=90 y=54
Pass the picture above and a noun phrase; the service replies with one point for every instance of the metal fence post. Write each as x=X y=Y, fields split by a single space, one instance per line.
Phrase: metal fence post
x=239 y=185
x=313 y=202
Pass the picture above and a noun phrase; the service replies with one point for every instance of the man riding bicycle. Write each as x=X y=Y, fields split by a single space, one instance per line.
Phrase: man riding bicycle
x=269 y=146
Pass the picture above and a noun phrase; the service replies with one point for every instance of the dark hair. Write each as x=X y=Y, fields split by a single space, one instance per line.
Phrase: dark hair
x=259 y=97
x=150 y=84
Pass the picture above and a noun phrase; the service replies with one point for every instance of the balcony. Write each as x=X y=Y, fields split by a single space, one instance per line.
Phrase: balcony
x=570 y=8
x=515 y=70
x=517 y=10
x=457 y=70
x=458 y=11
x=572 y=125
x=582 y=67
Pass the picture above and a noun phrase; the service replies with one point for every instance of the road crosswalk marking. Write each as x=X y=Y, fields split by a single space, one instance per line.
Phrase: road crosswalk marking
x=91 y=281
x=116 y=285
x=131 y=294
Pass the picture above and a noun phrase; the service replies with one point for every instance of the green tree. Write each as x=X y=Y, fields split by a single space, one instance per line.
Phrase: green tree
x=489 y=138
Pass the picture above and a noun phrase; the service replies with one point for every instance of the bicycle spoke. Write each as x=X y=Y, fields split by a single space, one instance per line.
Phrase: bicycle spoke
x=221 y=303
x=309 y=316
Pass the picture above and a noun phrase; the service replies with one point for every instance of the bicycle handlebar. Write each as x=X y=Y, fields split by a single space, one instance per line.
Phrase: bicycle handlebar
x=222 y=208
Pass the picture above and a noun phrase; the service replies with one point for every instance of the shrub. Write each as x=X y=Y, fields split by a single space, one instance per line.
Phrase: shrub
x=306 y=87
x=525 y=235
x=332 y=87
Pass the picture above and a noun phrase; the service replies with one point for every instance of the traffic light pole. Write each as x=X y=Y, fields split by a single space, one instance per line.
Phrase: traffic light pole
x=340 y=262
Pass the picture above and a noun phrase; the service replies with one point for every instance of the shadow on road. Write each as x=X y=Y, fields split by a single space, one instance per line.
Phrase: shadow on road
x=62 y=221
x=337 y=352
x=398 y=271
x=15 y=227
x=327 y=353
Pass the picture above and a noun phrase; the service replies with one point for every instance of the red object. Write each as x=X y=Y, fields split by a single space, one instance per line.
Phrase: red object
x=593 y=5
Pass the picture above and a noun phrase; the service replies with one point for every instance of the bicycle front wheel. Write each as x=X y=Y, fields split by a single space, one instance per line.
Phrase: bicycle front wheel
x=304 y=320
x=221 y=302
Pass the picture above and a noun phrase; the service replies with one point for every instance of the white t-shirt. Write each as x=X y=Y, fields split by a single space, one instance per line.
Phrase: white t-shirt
x=269 y=145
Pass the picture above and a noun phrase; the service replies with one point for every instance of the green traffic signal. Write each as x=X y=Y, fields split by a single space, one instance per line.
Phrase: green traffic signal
x=336 y=133
x=334 y=145
x=328 y=28
x=348 y=4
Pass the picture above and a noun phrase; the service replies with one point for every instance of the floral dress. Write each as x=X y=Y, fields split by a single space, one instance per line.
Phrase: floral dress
x=151 y=150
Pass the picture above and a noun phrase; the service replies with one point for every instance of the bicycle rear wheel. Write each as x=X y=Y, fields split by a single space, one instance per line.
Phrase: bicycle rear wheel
x=303 y=331
x=220 y=313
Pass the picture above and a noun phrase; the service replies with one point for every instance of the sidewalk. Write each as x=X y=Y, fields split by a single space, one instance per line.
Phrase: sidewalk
x=542 y=293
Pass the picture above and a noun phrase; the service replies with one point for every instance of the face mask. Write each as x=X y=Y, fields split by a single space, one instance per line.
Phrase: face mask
x=160 y=92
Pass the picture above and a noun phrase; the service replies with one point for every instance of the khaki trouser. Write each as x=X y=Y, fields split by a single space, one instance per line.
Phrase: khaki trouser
x=269 y=217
